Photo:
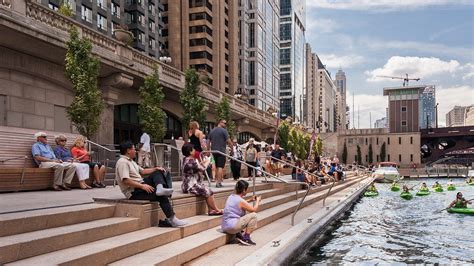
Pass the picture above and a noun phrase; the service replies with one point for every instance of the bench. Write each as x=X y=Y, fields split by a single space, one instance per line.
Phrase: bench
x=18 y=171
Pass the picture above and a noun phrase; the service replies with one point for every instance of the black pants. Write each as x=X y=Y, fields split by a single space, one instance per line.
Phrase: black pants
x=250 y=169
x=153 y=180
x=235 y=168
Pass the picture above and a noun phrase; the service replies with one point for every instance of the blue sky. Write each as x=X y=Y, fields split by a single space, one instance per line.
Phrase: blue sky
x=429 y=39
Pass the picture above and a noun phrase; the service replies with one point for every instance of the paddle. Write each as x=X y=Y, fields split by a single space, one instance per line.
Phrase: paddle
x=450 y=207
x=414 y=186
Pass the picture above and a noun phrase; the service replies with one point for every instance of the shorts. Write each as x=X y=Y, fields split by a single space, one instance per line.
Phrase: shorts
x=92 y=164
x=220 y=160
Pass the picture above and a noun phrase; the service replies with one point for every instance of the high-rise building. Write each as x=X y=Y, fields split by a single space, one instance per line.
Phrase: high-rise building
x=341 y=85
x=202 y=34
x=381 y=123
x=469 y=121
x=457 y=116
x=312 y=93
x=327 y=99
x=411 y=108
x=142 y=17
x=292 y=58
x=259 y=44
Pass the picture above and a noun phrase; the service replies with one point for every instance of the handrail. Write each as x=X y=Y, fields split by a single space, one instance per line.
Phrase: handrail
x=100 y=146
x=171 y=147
x=308 y=187
x=23 y=170
x=291 y=165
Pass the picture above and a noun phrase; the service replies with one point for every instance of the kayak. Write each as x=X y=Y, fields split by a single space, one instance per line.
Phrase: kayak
x=424 y=190
x=422 y=193
x=471 y=184
x=395 y=188
x=462 y=210
x=406 y=195
x=451 y=188
x=438 y=189
x=371 y=194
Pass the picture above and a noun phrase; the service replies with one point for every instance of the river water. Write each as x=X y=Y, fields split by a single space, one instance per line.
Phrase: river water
x=389 y=229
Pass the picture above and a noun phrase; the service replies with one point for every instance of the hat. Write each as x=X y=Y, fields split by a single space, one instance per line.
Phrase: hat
x=40 y=134
x=251 y=140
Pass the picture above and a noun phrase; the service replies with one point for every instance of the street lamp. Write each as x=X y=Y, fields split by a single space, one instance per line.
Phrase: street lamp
x=165 y=57
x=436 y=110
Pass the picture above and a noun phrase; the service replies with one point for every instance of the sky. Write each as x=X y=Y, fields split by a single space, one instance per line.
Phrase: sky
x=428 y=39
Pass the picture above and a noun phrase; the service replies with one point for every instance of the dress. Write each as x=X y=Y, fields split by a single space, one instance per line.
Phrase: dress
x=192 y=178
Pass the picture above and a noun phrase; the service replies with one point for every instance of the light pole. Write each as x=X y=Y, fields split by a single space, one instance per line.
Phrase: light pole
x=165 y=57
x=436 y=113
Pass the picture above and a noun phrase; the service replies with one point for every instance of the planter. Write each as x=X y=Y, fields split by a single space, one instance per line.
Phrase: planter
x=123 y=36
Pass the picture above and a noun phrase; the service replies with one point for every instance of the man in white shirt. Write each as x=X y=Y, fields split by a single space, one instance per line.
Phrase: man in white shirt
x=144 y=155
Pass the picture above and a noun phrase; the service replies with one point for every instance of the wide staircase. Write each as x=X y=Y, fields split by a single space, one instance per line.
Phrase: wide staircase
x=122 y=232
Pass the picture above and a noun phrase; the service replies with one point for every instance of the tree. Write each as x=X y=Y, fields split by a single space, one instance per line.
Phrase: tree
x=318 y=146
x=284 y=134
x=82 y=69
x=223 y=112
x=344 y=154
x=371 y=154
x=65 y=9
x=383 y=153
x=193 y=104
x=152 y=117
x=359 y=156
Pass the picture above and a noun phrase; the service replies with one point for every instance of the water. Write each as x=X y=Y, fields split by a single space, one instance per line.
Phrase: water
x=389 y=229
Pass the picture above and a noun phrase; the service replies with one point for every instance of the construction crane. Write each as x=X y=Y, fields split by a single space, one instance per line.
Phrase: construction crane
x=405 y=79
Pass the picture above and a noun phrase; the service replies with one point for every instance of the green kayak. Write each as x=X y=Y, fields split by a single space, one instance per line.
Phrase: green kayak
x=371 y=194
x=462 y=210
x=451 y=188
x=406 y=195
x=471 y=184
x=395 y=188
x=438 y=189
x=422 y=193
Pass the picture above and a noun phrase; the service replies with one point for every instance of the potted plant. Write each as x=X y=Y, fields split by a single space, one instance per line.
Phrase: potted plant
x=122 y=34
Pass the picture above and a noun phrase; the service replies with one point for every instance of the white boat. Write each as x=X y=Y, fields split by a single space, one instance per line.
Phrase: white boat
x=387 y=172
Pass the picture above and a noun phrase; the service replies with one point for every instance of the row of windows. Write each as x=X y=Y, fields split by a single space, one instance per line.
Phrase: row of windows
x=200 y=16
x=200 y=3
x=201 y=54
x=198 y=29
x=201 y=41
x=367 y=140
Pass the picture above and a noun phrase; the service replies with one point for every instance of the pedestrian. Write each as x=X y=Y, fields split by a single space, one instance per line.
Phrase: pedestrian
x=144 y=151
x=235 y=165
x=251 y=157
x=218 y=139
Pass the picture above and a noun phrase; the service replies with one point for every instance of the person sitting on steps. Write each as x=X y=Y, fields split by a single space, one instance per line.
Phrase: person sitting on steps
x=235 y=220
x=134 y=187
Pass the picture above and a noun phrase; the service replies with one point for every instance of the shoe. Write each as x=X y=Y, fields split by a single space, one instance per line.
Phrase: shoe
x=240 y=239
x=102 y=185
x=57 y=188
x=175 y=222
x=96 y=185
x=65 y=187
x=248 y=241
x=161 y=191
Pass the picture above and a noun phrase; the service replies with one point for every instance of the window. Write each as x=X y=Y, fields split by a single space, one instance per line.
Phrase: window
x=400 y=140
x=102 y=4
x=151 y=9
x=200 y=16
x=115 y=10
x=411 y=140
x=152 y=43
x=86 y=14
x=388 y=141
x=53 y=7
x=285 y=32
x=377 y=140
x=404 y=123
x=377 y=157
x=285 y=7
x=399 y=157
x=388 y=157
x=101 y=22
x=404 y=108
x=411 y=157
x=197 y=29
x=151 y=26
x=198 y=55
x=285 y=56
x=285 y=81
x=198 y=42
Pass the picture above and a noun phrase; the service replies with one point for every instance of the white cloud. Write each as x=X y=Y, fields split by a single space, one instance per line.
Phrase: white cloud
x=450 y=96
x=382 y=5
x=416 y=67
x=468 y=71
x=343 y=61
x=321 y=25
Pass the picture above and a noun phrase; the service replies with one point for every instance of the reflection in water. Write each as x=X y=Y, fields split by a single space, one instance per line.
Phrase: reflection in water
x=389 y=229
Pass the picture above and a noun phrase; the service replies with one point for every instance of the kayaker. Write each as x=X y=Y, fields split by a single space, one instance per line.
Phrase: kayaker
x=469 y=180
x=450 y=183
x=436 y=184
x=405 y=189
x=459 y=202
x=424 y=187
x=394 y=184
x=372 y=188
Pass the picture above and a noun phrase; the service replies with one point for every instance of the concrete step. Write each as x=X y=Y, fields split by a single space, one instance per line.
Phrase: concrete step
x=23 y=222
x=21 y=246
x=188 y=248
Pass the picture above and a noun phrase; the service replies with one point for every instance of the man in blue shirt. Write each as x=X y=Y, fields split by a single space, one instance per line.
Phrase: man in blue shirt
x=219 y=139
x=44 y=157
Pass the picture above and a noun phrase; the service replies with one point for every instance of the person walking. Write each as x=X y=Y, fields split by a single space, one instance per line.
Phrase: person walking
x=235 y=166
x=144 y=151
x=251 y=158
x=218 y=139
x=196 y=138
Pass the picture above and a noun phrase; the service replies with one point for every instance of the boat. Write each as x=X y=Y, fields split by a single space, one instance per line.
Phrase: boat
x=423 y=193
x=438 y=189
x=451 y=188
x=395 y=188
x=469 y=211
x=386 y=173
x=406 y=195
x=371 y=194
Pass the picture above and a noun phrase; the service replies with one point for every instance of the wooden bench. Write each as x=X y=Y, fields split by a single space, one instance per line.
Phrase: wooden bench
x=18 y=171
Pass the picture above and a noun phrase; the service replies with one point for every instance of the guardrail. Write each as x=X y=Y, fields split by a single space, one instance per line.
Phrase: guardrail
x=102 y=154
x=24 y=157
x=167 y=156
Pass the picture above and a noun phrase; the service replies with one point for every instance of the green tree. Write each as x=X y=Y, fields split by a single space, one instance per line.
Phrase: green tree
x=371 y=154
x=318 y=146
x=383 y=152
x=65 y=9
x=82 y=69
x=152 y=117
x=223 y=112
x=344 y=154
x=284 y=134
x=359 y=155
x=193 y=104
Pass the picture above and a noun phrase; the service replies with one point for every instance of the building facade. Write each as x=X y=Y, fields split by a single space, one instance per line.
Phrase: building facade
x=142 y=17
x=402 y=148
x=469 y=121
x=312 y=93
x=292 y=58
x=411 y=108
x=203 y=34
x=457 y=116
x=259 y=53
x=341 y=84
x=381 y=123
x=327 y=100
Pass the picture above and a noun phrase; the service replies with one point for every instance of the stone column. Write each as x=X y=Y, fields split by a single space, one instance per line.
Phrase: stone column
x=111 y=87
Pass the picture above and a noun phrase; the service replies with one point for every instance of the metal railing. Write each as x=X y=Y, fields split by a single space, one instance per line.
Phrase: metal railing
x=102 y=154
x=255 y=169
x=23 y=170
x=167 y=162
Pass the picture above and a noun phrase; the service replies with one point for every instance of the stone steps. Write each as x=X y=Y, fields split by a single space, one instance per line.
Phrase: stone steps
x=188 y=248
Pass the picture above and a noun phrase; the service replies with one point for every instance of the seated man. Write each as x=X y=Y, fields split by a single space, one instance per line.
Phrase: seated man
x=44 y=157
x=134 y=187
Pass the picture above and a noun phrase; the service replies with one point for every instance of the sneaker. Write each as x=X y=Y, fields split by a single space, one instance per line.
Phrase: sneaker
x=96 y=185
x=249 y=242
x=219 y=185
x=102 y=185
x=240 y=239
x=175 y=222
x=161 y=191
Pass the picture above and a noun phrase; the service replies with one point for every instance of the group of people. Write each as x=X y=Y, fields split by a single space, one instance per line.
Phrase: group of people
x=67 y=162
x=313 y=172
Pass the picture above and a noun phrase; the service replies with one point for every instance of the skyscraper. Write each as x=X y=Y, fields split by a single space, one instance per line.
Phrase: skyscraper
x=259 y=44
x=341 y=87
x=292 y=58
